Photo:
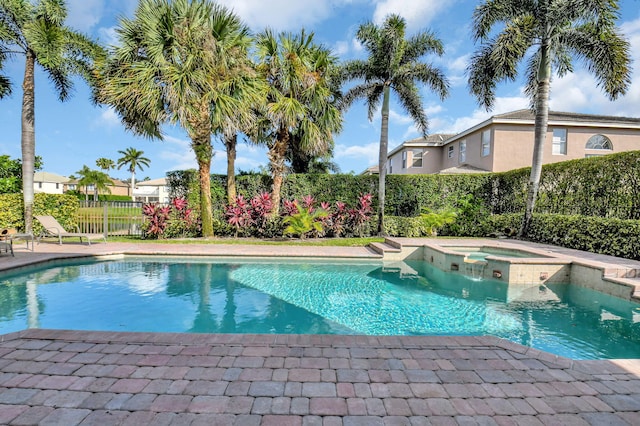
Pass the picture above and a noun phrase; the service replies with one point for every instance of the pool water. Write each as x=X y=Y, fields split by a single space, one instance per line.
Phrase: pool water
x=314 y=297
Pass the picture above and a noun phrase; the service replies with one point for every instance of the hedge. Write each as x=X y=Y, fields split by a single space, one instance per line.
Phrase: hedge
x=63 y=207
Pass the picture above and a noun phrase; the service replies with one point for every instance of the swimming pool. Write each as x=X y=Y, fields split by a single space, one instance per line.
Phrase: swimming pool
x=315 y=297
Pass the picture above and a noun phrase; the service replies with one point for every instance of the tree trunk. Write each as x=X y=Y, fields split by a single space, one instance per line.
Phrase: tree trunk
x=382 y=159
x=133 y=183
x=276 y=155
x=230 y=143
x=28 y=139
x=541 y=122
x=203 y=152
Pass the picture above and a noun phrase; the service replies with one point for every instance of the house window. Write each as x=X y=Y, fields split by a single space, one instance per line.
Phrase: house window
x=559 y=142
x=599 y=142
x=486 y=143
x=39 y=185
x=390 y=167
x=451 y=151
x=57 y=186
x=416 y=158
x=462 y=153
x=404 y=159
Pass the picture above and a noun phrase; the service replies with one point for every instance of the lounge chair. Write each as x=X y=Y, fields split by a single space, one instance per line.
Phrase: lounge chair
x=4 y=245
x=53 y=229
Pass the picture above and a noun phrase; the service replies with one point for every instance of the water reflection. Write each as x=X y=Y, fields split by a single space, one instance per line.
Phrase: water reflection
x=314 y=298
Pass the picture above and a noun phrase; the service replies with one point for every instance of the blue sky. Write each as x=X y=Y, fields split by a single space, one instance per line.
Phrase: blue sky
x=76 y=133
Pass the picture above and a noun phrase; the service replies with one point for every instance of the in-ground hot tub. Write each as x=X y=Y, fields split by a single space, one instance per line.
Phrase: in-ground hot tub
x=500 y=261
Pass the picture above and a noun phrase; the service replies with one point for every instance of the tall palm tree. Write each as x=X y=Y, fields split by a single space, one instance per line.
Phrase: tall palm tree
x=394 y=64
x=299 y=99
x=36 y=30
x=132 y=158
x=171 y=65
x=105 y=164
x=99 y=180
x=548 y=35
x=249 y=93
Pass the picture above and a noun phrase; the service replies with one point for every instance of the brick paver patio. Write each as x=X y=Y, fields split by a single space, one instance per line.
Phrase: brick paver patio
x=53 y=377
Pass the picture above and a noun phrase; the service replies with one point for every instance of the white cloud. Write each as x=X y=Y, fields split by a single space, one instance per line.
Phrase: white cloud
x=178 y=154
x=108 y=36
x=83 y=15
x=502 y=105
x=248 y=157
x=418 y=13
x=282 y=14
x=459 y=64
x=341 y=48
x=365 y=154
x=108 y=118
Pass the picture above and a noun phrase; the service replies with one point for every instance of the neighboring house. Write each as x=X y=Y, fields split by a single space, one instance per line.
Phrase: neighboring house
x=505 y=142
x=49 y=183
x=117 y=187
x=151 y=191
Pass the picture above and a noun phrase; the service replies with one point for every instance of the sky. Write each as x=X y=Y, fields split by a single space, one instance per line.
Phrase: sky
x=75 y=133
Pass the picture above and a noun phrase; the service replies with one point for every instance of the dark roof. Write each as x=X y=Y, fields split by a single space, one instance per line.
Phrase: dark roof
x=433 y=138
x=527 y=114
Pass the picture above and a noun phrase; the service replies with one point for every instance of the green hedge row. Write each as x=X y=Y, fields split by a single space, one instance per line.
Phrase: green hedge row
x=615 y=237
x=607 y=186
x=63 y=207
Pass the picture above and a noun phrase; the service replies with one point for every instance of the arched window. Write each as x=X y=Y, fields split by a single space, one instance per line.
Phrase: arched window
x=599 y=142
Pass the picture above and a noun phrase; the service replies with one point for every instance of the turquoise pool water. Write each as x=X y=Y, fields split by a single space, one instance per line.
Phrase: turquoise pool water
x=317 y=297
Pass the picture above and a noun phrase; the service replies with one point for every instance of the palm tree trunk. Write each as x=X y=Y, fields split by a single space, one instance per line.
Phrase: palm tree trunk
x=28 y=139
x=276 y=155
x=382 y=159
x=204 y=153
x=133 y=183
x=541 y=122
x=231 y=142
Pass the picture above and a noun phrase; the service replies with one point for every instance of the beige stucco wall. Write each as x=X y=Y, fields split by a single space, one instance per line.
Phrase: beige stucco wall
x=473 y=152
x=514 y=144
x=512 y=148
x=431 y=161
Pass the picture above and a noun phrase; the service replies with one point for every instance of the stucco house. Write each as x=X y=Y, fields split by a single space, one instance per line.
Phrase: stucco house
x=505 y=142
x=49 y=183
x=151 y=191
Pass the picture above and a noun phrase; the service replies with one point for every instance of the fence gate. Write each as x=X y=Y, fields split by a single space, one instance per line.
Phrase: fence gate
x=111 y=217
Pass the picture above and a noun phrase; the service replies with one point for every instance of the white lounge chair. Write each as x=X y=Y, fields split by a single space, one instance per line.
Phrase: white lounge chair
x=53 y=229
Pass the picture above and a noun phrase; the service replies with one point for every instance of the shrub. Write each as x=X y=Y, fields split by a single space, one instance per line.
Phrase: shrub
x=172 y=221
x=61 y=206
x=306 y=220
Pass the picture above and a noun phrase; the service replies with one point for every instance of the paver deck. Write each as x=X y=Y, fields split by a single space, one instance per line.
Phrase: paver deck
x=57 y=377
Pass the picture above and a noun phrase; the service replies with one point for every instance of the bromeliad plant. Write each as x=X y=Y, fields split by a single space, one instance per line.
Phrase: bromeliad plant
x=174 y=220
x=306 y=220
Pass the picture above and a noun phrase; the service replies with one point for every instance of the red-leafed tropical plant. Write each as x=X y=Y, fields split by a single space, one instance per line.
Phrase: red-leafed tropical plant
x=174 y=220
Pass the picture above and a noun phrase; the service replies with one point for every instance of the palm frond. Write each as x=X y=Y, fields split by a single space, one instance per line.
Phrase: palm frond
x=412 y=103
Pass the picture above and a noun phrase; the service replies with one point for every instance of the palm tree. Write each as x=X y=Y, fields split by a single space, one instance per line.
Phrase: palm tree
x=548 y=34
x=248 y=92
x=37 y=31
x=393 y=64
x=132 y=158
x=99 y=180
x=105 y=164
x=171 y=65
x=299 y=99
